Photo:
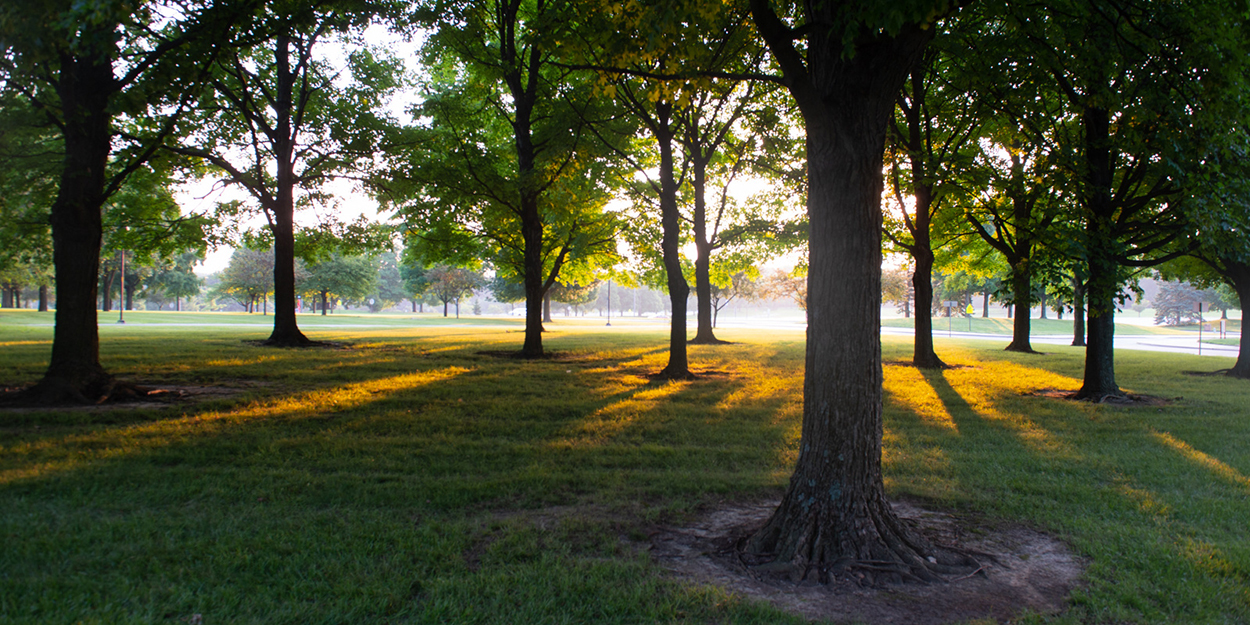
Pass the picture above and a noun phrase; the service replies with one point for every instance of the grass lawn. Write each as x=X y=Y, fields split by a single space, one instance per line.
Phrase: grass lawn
x=408 y=478
x=1003 y=325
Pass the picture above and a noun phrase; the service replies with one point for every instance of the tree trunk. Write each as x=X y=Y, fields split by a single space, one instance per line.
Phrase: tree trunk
x=834 y=514
x=678 y=367
x=325 y=303
x=1041 y=313
x=985 y=304
x=286 y=332
x=1103 y=283
x=923 y=354
x=546 y=306
x=43 y=298
x=74 y=373
x=446 y=304
x=703 y=261
x=1078 y=312
x=1238 y=275
x=414 y=305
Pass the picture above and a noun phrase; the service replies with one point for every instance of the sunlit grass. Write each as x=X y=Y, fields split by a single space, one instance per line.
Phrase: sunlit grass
x=415 y=475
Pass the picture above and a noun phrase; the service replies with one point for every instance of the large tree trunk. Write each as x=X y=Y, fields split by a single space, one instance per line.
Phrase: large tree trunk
x=678 y=367
x=286 y=332
x=74 y=372
x=1103 y=283
x=1021 y=293
x=834 y=514
x=1238 y=275
x=43 y=298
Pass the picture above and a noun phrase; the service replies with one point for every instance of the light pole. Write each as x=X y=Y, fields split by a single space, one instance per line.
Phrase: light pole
x=609 y=303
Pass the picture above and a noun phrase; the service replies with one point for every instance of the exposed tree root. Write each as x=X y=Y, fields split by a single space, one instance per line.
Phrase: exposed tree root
x=707 y=341
x=870 y=546
x=53 y=392
x=669 y=374
x=1027 y=349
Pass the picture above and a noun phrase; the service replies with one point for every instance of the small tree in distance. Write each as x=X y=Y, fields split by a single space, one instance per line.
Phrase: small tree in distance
x=1177 y=303
x=449 y=284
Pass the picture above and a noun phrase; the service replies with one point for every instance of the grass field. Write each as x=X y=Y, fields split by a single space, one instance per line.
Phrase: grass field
x=406 y=477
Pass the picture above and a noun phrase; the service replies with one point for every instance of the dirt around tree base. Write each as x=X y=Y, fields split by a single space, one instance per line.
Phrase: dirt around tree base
x=1130 y=400
x=130 y=395
x=1028 y=572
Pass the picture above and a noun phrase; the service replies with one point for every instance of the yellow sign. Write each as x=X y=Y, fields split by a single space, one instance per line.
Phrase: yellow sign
x=970 y=309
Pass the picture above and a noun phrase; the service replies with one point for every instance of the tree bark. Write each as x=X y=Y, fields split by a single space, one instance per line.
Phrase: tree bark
x=1099 y=381
x=834 y=513
x=286 y=332
x=1078 y=312
x=1021 y=293
x=74 y=372
x=1238 y=275
x=43 y=298
x=678 y=367
x=704 y=334
x=923 y=354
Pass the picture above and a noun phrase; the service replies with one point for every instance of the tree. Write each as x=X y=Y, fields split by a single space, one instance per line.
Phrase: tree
x=1177 y=303
x=340 y=277
x=845 y=78
x=927 y=147
x=502 y=169
x=896 y=288
x=391 y=286
x=178 y=280
x=248 y=277
x=64 y=58
x=1131 y=77
x=281 y=121
x=449 y=284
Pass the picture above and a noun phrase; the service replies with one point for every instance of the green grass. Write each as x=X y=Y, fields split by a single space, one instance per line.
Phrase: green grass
x=1002 y=325
x=408 y=478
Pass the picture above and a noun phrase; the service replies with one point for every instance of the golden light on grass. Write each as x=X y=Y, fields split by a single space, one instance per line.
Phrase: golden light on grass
x=984 y=389
x=23 y=343
x=1145 y=500
x=908 y=388
x=603 y=424
x=54 y=455
x=1213 y=464
x=1206 y=557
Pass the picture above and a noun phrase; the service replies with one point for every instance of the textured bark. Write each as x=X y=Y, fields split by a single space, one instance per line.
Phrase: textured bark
x=678 y=367
x=1239 y=275
x=834 y=514
x=286 y=332
x=1078 y=313
x=1021 y=290
x=74 y=373
x=923 y=354
x=704 y=315
x=1099 y=381
x=705 y=321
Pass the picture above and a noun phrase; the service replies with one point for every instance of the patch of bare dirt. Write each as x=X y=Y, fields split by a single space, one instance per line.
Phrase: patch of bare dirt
x=140 y=396
x=1130 y=400
x=1028 y=571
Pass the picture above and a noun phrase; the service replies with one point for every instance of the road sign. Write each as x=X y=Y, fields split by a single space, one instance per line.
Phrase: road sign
x=970 y=309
